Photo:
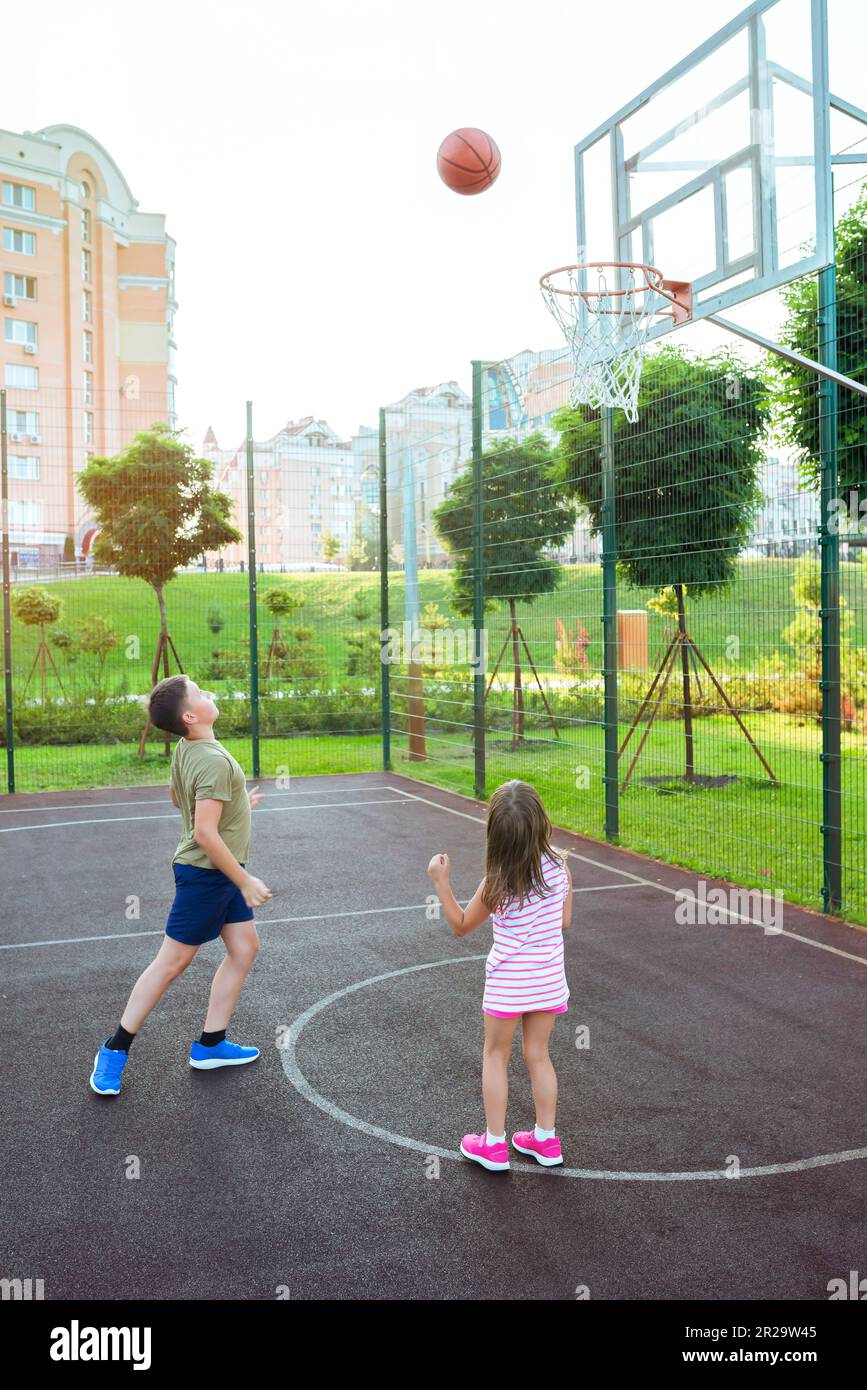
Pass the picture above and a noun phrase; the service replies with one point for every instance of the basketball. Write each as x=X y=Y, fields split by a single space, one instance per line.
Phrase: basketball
x=468 y=160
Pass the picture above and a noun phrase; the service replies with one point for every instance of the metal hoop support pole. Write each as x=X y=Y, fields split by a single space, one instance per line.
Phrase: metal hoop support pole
x=781 y=350
x=7 y=598
x=478 y=589
x=384 y=673
x=252 y=582
x=609 y=625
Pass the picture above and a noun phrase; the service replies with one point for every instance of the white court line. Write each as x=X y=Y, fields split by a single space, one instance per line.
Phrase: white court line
x=160 y=801
x=287 y=1050
x=663 y=887
x=173 y=815
x=270 y=921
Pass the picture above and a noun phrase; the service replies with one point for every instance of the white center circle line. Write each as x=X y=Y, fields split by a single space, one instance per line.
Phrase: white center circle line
x=289 y=1060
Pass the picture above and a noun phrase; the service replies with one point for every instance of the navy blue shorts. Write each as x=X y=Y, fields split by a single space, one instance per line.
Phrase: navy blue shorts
x=205 y=900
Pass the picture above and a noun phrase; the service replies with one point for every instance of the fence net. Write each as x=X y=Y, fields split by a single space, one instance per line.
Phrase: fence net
x=149 y=574
x=430 y=594
x=737 y=634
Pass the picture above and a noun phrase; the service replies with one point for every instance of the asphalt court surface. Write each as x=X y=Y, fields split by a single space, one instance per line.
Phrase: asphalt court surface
x=329 y=1167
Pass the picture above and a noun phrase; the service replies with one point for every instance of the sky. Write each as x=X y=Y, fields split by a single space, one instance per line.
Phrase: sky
x=322 y=266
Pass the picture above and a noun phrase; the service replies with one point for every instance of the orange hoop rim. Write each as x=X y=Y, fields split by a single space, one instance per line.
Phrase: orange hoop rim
x=677 y=292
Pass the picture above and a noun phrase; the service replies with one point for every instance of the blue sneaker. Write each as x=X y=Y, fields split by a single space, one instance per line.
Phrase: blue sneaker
x=224 y=1054
x=108 y=1067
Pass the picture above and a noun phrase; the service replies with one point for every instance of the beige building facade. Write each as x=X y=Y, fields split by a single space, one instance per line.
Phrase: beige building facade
x=88 y=309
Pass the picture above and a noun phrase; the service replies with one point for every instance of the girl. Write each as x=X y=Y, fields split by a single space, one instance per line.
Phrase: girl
x=528 y=889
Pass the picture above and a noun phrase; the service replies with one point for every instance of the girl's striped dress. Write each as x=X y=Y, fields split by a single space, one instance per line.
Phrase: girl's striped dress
x=524 y=970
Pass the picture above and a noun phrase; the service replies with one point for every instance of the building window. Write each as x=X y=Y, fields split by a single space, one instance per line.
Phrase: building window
x=85 y=224
x=87 y=345
x=23 y=243
x=85 y=265
x=25 y=378
x=24 y=512
x=84 y=190
x=24 y=422
x=86 y=306
x=88 y=388
x=19 y=331
x=88 y=427
x=23 y=468
x=18 y=195
x=18 y=286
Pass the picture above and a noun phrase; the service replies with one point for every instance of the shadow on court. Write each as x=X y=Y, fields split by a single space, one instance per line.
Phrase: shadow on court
x=713 y=1130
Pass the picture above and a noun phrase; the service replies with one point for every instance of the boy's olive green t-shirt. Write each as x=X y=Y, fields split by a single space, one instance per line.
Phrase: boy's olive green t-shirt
x=202 y=769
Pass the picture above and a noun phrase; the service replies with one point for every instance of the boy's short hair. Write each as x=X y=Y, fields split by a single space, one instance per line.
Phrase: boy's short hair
x=167 y=703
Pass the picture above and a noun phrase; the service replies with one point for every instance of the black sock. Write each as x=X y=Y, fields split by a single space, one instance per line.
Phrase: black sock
x=211 y=1039
x=121 y=1042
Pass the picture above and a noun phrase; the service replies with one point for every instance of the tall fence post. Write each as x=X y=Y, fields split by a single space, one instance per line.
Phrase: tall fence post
x=251 y=585
x=384 y=684
x=7 y=598
x=829 y=544
x=610 y=780
x=478 y=589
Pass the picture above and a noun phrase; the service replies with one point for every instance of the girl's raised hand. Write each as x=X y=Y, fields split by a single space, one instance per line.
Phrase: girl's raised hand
x=439 y=867
x=255 y=797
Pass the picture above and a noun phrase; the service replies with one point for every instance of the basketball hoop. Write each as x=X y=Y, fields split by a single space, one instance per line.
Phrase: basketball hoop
x=607 y=324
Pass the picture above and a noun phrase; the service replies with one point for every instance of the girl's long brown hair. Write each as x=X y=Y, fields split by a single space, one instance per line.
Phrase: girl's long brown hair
x=519 y=834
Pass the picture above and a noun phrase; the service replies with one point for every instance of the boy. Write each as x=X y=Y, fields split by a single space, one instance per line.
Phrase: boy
x=214 y=893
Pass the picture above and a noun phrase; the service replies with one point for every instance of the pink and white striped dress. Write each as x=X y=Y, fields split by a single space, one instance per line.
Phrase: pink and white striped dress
x=524 y=970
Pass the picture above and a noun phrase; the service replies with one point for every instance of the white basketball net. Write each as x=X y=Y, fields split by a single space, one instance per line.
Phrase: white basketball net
x=606 y=326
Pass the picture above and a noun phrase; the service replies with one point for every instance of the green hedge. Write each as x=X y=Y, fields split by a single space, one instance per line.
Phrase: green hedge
x=348 y=708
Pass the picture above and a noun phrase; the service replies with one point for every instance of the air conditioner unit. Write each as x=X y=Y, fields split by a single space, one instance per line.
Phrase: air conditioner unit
x=16 y=438
x=9 y=301
x=35 y=438
x=30 y=347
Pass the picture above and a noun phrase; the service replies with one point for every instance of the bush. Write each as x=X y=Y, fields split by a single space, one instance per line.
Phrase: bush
x=351 y=707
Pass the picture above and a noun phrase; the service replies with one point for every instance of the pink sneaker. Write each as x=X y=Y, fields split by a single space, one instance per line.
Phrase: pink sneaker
x=492 y=1156
x=545 y=1151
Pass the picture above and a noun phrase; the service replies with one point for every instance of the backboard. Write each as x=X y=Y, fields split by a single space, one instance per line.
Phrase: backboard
x=719 y=173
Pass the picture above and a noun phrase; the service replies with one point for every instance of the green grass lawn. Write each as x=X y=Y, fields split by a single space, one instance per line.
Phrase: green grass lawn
x=755 y=609
x=749 y=830
x=57 y=768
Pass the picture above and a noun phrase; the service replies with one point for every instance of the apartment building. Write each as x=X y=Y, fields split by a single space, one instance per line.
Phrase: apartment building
x=88 y=311
x=306 y=486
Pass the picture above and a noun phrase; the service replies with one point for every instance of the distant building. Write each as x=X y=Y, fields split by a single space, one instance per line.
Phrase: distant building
x=429 y=438
x=787 y=524
x=306 y=486
x=88 y=308
x=521 y=395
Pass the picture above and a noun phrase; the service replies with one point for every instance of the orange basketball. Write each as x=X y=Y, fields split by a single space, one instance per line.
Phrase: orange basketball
x=468 y=160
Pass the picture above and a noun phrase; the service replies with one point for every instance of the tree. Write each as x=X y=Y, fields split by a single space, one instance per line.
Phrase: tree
x=364 y=656
x=329 y=546
x=797 y=387
x=37 y=608
x=360 y=555
x=97 y=637
x=157 y=512
x=686 y=480
x=281 y=604
x=525 y=516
